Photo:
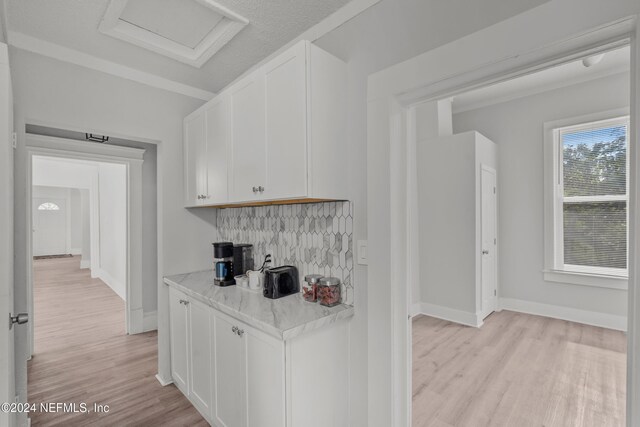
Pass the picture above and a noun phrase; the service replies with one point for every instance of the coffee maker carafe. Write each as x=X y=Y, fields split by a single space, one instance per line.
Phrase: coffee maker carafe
x=223 y=264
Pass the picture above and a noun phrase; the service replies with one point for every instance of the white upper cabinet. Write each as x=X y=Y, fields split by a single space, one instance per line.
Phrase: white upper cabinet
x=248 y=140
x=218 y=134
x=285 y=132
x=195 y=149
x=286 y=125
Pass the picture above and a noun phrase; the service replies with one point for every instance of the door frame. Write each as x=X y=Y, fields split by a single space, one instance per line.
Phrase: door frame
x=504 y=51
x=132 y=158
x=483 y=312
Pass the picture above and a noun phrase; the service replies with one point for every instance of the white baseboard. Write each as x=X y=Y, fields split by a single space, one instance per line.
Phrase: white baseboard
x=446 y=313
x=593 y=318
x=150 y=321
x=76 y=251
x=117 y=287
x=162 y=381
x=85 y=263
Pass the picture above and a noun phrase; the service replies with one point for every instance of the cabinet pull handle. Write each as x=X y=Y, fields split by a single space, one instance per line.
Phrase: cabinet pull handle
x=255 y=189
x=261 y=189
x=234 y=329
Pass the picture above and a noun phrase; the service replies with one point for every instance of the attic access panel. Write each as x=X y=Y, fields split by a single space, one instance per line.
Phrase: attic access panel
x=190 y=31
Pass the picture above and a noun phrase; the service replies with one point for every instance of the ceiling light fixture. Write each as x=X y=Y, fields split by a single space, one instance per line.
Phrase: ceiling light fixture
x=96 y=138
x=592 y=60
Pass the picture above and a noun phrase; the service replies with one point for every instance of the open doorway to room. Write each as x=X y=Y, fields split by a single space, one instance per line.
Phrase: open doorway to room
x=520 y=310
x=94 y=299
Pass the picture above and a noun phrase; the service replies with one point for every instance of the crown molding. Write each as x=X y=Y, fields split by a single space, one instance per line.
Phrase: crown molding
x=65 y=54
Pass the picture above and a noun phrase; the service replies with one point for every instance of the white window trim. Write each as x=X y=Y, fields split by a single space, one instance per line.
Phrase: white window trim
x=554 y=268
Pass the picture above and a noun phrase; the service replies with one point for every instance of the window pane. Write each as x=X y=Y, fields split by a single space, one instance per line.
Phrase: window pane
x=595 y=234
x=48 y=207
x=595 y=162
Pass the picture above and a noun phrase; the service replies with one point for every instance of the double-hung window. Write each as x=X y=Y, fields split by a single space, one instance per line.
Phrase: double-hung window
x=590 y=186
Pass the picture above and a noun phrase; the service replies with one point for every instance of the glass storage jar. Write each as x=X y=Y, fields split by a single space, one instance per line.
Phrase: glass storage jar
x=329 y=291
x=310 y=287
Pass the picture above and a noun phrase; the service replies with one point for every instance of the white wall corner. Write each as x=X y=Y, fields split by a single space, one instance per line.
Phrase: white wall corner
x=115 y=285
x=451 y=314
x=149 y=321
x=593 y=318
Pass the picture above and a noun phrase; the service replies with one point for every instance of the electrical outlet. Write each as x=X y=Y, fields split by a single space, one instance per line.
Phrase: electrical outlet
x=363 y=253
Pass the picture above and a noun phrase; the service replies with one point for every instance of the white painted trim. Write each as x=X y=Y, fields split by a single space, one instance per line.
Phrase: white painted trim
x=164 y=382
x=586 y=279
x=230 y=25
x=77 y=150
x=113 y=283
x=149 y=321
x=85 y=263
x=38 y=145
x=65 y=54
x=445 y=313
x=603 y=320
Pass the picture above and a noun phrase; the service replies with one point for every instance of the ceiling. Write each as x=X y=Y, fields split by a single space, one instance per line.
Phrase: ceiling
x=613 y=62
x=74 y=24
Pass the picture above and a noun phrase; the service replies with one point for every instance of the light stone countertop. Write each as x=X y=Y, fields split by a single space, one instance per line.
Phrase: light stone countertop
x=283 y=318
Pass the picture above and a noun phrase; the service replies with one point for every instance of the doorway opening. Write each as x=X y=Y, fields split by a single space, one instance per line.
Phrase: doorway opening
x=522 y=212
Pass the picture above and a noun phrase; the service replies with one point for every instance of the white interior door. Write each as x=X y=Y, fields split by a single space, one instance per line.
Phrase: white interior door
x=49 y=226
x=489 y=240
x=7 y=362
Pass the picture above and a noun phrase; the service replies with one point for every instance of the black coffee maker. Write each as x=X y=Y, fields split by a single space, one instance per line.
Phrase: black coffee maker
x=223 y=264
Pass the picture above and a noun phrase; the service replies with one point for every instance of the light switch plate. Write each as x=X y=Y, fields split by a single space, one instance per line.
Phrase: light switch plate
x=362 y=253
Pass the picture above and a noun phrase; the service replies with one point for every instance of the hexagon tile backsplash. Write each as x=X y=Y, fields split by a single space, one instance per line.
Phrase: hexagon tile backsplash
x=316 y=238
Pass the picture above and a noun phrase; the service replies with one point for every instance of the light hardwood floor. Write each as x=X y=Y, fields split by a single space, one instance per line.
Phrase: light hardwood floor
x=517 y=370
x=82 y=354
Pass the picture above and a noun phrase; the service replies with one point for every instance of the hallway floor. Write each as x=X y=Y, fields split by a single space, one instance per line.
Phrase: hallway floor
x=517 y=370
x=82 y=354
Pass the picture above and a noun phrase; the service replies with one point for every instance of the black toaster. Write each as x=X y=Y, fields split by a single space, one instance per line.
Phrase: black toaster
x=281 y=281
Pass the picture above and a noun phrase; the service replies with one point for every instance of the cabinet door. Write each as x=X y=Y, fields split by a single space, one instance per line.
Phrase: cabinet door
x=178 y=323
x=230 y=374
x=218 y=130
x=248 y=159
x=286 y=125
x=200 y=356
x=195 y=166
x=265 y=381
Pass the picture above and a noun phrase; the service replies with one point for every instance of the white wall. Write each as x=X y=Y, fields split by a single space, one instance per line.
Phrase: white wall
x=517 y=128
x=112 y=194
x=71 y=97
x=387 y=33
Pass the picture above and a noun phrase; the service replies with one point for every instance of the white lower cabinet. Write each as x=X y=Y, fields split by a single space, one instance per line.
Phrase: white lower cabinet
x=179 y=315
x=230 y=373
x=239 y=376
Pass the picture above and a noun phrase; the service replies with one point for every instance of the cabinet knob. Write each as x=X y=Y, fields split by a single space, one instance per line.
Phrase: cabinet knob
x=255 y=189
x=234 y=329
x=185 y=302
x=240 y=332
x=261 y=189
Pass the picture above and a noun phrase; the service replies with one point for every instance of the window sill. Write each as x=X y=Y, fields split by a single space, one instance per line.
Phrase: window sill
x=586 y=279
